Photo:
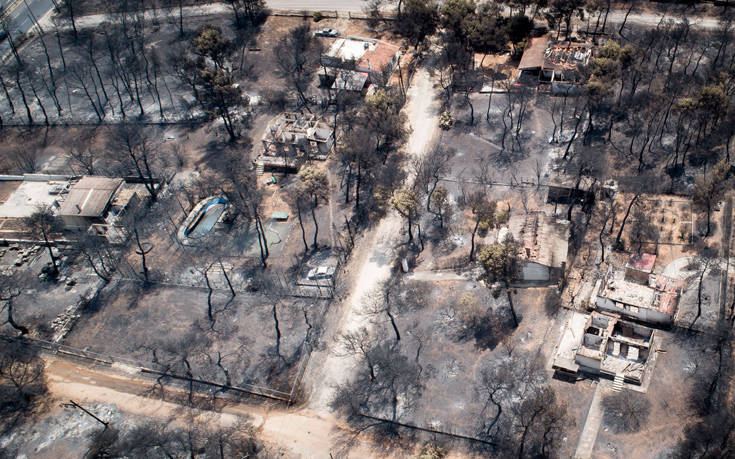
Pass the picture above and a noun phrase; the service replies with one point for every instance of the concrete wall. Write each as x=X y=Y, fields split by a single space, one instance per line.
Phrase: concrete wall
x=72 y=222
x=535 y=272
x=560 y=89
x=643 y=314
x=588 y=364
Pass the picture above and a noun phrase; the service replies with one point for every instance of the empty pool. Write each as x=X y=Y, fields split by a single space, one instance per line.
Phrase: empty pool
x=205 y=219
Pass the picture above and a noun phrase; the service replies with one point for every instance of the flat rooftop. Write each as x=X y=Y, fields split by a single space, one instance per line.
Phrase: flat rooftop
x=90 y=196
x=663 y=298
x=570 y=342
x=350 y=49
x=641 y=262
x=367 y=53
x=622 y=291
x=28 y=197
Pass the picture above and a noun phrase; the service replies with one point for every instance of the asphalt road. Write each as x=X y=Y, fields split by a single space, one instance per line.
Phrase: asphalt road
x=20 y=19
x=353 y=6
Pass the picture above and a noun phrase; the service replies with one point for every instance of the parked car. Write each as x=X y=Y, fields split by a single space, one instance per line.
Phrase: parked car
x=326 y=32
x=3 y=35
x=59 y=189
x=322 y=272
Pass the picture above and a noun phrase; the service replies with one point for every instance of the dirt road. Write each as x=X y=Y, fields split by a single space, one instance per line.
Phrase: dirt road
x=371 y=263
x=298 y=433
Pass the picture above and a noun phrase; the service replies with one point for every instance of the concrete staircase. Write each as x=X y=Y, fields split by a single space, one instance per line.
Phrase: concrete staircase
x=260 y=168
x=617 y=385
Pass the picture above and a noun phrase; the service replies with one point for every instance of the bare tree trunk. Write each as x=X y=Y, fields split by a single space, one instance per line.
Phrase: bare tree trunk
x=7 y=95
x=262 y=241
x=472 y=240
x=11 y=321
x=625 y=19
x=47 y=243
x=574 y=136
x=210 y=292
x=625 y=218
x=278 y=331
x=393 y=323
x=316 y=225
x=227 y=279
x=699 y=296
x=510 y=303
x=23 y=96
x=181 y=18
x=38 y=101
x=96 y=270
x=303 y=231
x=142 y=254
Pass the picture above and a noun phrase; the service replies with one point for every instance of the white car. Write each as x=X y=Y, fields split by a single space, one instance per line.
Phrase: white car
x=326 y=32
x=322 y=272
x=59 y=189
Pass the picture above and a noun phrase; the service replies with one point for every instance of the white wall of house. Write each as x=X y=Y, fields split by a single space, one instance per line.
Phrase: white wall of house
x=535 y=272
x=642 y=314
x=588 y=363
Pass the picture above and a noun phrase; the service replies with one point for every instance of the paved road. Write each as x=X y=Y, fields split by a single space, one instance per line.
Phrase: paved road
x=651 y=20
x=312 y=5
x=20 y=17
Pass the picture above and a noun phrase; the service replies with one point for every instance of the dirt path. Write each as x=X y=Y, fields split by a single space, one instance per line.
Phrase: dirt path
x=371 y=263
x=591 y=426
x=300 y=433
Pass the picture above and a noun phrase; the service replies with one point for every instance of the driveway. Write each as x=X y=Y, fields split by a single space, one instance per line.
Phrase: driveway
x=371 y=262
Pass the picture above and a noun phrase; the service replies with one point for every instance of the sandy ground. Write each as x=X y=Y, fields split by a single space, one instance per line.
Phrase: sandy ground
x=373 y=261
x=301 y=434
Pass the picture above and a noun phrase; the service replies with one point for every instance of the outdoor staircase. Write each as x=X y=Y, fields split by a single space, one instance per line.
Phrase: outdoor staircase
x=260 y=169
x=618 y=382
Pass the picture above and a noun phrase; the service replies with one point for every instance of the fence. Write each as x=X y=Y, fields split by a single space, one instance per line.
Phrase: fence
x=65 y=351
x=429 y=430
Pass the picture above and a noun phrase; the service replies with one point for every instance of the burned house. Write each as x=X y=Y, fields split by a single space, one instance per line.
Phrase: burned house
x=88 y=203
x=603 y=344
x=355 y=61
x=292 y=138
x=348 y=80
x=565 y=189
x=640 y=267
x=559 y=64
x=543 y=243
x=654 y=302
